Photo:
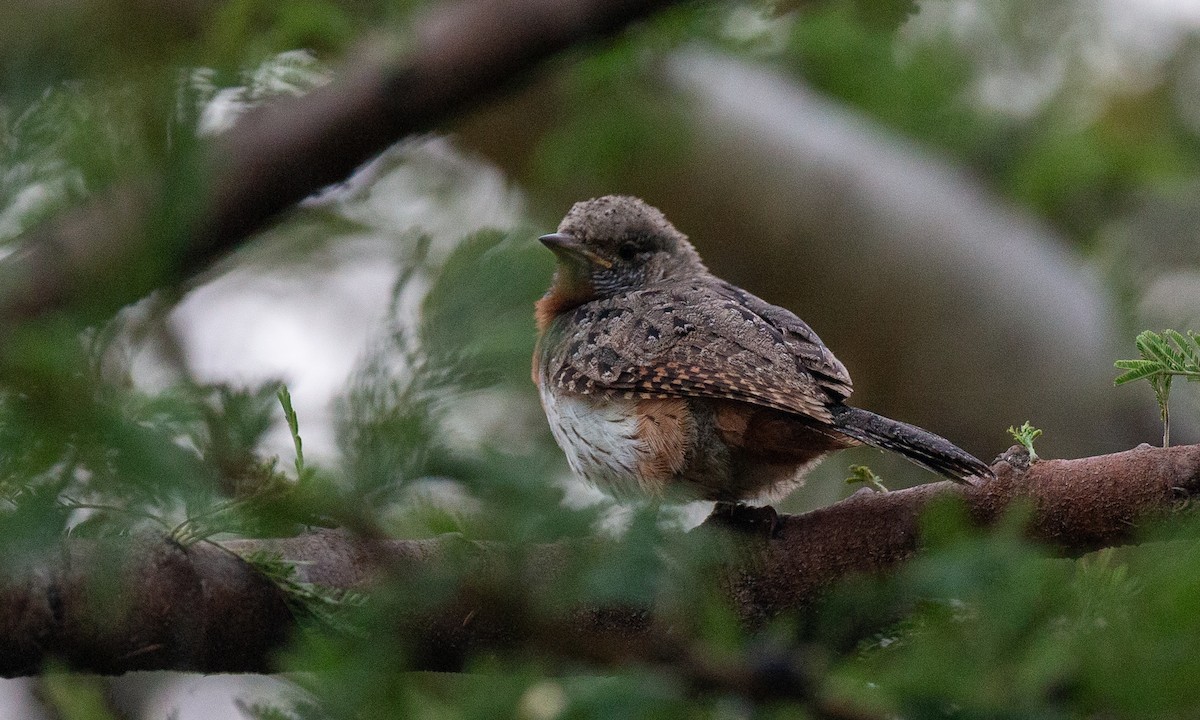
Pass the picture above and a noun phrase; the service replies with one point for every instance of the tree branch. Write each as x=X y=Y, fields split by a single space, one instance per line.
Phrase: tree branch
x=274 y=157
x=144 y=603
x=1076 y=506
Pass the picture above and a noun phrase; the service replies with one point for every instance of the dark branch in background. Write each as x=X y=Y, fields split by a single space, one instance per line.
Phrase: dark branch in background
x=203 y=609
x=276 y=156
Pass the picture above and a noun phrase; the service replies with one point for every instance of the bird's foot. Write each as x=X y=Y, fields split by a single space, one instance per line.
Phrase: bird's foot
x=747 y=518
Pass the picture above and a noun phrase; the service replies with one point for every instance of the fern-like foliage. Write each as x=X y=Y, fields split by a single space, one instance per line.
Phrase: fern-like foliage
x=1163 y=357
x=313 y=606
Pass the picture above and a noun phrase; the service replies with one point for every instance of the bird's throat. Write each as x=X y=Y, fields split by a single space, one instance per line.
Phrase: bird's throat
x=568 y=290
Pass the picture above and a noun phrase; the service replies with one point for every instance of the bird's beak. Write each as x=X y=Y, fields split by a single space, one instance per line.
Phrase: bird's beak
x=566 y=246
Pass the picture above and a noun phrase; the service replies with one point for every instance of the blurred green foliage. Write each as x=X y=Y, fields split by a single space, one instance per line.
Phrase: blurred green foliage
x=920 y=96
x=254 y=30
x=998 y=630
x=1074 y=169
x=982 y=625
x=74 y=697
x=613 y=105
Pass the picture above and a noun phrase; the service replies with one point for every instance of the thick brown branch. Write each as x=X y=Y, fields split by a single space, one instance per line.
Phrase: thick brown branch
x=463 y=53
x=165 y=607
x=152 y=605
x=1076 y=506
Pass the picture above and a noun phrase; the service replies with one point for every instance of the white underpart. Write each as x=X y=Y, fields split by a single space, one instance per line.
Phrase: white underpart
x=599 y=437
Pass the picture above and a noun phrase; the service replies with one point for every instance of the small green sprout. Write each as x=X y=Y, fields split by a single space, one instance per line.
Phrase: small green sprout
x=1163 y=356
x=1025 y=435
x=866 y=476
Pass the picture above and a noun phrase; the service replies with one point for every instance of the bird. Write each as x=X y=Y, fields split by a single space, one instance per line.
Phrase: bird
x=661 y=380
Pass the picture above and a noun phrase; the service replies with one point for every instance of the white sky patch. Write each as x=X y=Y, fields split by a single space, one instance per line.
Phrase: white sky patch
x=310 y=324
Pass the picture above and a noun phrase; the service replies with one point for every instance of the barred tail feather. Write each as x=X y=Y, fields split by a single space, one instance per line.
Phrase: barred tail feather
x=920 y=446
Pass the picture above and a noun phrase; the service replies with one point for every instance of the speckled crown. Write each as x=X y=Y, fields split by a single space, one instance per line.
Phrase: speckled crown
x=616 y=216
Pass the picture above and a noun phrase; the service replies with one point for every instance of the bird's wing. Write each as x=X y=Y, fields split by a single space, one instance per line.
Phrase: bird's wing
x=810 y=352
x=696 y=340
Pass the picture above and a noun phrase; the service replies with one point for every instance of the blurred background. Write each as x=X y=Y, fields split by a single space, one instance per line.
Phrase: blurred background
x=977 y=205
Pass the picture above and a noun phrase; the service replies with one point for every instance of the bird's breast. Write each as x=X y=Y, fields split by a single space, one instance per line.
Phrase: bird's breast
x=627 y=447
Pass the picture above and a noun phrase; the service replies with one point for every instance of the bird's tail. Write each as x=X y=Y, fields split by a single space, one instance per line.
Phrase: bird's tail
x=920 y=446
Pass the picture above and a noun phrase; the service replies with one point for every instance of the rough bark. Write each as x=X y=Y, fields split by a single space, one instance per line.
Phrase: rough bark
x=155 y=605
x=1076 y=506
x=139 y=604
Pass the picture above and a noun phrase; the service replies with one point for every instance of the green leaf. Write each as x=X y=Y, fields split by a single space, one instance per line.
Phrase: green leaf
x=1180 y=341
x=293 y=423
x=1138 y=369
x=1152 y=345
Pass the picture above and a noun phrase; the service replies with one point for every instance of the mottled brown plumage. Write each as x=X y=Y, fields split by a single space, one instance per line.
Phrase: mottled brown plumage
x=658 y=377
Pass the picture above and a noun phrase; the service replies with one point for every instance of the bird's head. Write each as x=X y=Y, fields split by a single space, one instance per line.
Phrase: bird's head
x=616 y=244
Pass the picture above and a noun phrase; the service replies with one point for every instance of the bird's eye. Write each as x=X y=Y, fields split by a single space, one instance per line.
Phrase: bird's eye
x=627 y=251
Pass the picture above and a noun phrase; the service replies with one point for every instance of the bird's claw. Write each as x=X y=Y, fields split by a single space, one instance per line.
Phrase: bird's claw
x=747 y=518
